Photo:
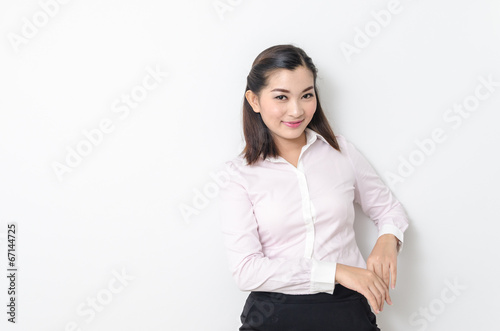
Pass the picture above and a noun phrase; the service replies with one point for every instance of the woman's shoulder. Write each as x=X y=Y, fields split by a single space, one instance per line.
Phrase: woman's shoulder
x=340 y=138
x=235 y=166
x=342 y=141
x=346 y=146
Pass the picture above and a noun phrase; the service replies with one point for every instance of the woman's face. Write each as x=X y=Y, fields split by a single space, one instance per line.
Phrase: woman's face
x=287 y=104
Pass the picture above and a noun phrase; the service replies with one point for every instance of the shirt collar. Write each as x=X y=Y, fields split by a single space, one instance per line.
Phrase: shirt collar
x=311 y=137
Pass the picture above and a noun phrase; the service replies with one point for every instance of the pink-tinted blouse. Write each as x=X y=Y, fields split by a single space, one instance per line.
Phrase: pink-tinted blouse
x=286 y=228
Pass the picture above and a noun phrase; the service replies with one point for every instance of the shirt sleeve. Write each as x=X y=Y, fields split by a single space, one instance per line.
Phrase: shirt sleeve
x=250 y=268
x=374 y=197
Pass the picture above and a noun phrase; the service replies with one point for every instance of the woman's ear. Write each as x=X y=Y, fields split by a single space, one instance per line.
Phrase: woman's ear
x=253 y=100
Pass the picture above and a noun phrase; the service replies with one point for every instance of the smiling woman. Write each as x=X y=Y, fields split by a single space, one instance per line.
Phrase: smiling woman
x=287 y=211
x=281 y=87
x=286 y=112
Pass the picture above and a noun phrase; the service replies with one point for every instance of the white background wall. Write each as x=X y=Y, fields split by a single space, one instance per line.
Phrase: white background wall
x=65 y=67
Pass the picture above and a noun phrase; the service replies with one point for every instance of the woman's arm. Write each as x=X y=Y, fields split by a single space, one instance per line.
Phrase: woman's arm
x=378 y=203
x=374 y=196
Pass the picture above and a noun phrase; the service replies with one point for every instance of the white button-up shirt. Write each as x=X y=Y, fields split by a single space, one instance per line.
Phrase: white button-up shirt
x=286 y=228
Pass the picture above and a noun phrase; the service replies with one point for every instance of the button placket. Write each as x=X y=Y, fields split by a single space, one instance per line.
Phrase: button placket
x=307 y=213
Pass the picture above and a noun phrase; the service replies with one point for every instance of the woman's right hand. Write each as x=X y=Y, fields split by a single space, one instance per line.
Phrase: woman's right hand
x=365 y=282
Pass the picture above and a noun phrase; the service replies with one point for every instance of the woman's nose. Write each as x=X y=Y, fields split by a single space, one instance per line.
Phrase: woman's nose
x=296 y=109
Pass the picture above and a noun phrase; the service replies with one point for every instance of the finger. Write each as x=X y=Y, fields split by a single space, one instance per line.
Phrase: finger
x=388 y=297
x=380 y=292
x=384 y=291
x=372 y=301
x=385 y=287
x=386 y=294
x=394 y=272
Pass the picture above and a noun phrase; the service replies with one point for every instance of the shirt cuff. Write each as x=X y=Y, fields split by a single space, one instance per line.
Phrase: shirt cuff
x=323 y=276
x=394 y=230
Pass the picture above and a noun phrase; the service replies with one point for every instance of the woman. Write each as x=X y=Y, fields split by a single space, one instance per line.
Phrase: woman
x=287 y=211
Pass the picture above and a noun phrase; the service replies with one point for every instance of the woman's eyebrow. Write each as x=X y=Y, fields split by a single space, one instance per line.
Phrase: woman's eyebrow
x=286 y=91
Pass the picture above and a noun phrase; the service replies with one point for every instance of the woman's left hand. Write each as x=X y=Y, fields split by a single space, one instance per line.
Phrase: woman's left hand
x=383 y=259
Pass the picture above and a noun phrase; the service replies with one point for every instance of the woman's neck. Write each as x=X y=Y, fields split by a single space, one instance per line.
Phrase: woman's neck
x=290 y=149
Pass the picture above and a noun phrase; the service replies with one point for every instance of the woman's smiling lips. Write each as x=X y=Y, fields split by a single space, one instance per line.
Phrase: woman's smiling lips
x=293 y=124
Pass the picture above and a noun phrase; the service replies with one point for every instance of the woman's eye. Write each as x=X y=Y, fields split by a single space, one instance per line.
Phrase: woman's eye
x=308 y=95
x=280 y=97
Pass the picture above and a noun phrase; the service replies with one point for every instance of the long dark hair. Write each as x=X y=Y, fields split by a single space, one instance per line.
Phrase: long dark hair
x=258 y=138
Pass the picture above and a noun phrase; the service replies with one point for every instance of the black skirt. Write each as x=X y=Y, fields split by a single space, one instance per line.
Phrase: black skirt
x=345 y=310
